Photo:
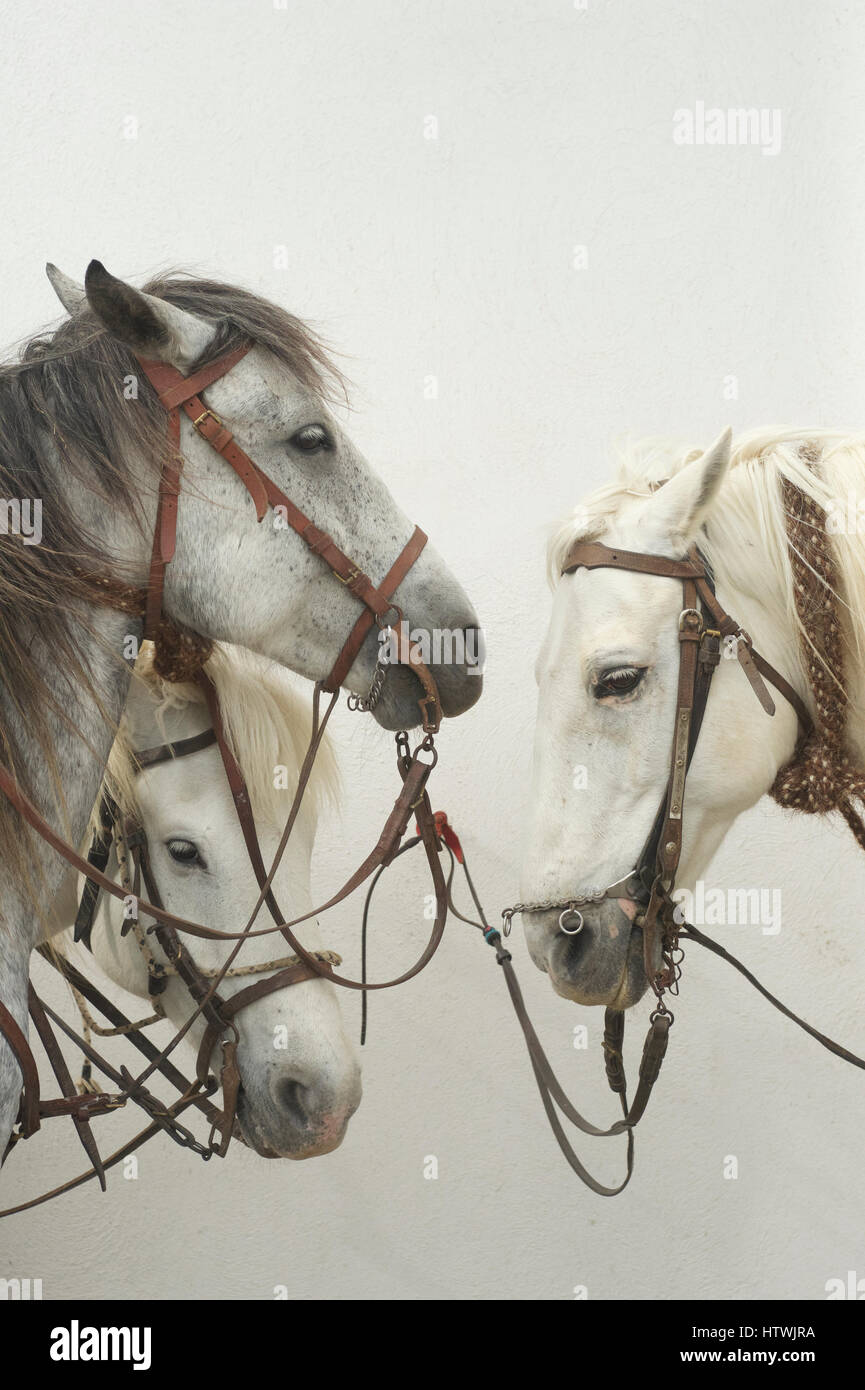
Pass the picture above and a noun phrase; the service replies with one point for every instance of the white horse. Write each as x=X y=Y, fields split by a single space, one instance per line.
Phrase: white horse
x=608 y=668
x=82 y=436
x=300 y=1079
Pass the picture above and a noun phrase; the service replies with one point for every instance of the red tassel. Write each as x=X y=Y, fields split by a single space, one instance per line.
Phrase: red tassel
x=446 y=832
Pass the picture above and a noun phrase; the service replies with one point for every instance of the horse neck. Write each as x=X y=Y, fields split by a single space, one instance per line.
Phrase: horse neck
x=80 y=752
x=106 y=642
x=79 y=748
x=63 y=763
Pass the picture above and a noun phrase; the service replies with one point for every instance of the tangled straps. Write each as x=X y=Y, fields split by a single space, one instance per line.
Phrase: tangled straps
x=414 y=769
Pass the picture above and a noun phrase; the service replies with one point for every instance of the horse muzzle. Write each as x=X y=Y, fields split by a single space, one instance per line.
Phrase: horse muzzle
x=593 y=953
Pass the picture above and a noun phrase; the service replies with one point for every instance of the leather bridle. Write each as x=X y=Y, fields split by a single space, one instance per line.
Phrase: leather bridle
x=218 y=1012
x=175 y=392
x=703 y=625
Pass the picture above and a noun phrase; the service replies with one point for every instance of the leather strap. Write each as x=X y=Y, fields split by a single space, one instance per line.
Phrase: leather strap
x=692 y=933
x=171 y=1112
x=553 y=1095
x=176 y=391
x=389 y=585
x=165 y=530
x=97 y=855
x=200 y=988
x=592 y=555
x=80 y=1103
x=410 y=798
x=115 y=1016
x=728 y=627
x=33 y=1109
x=181 y=748
x=29 y=1109
x=239 y=793
x=229 y=1008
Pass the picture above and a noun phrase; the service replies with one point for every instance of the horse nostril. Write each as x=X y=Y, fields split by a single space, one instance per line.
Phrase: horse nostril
x=290 y=1096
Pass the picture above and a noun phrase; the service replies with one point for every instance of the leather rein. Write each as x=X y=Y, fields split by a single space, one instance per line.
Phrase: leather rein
x=414 y=767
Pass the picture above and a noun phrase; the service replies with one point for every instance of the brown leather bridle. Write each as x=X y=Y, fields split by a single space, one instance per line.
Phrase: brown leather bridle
x=703 y=625
x=174 y=392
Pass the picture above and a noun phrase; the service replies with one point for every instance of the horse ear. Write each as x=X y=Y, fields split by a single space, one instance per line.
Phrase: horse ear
x=69 y=292
x=151 y=326
x=679 y=508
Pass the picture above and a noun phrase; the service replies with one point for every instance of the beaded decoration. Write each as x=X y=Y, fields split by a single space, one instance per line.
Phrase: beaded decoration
x=821 y=776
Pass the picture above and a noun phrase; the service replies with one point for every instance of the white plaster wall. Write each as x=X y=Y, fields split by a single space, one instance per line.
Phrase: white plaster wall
x=304 y=127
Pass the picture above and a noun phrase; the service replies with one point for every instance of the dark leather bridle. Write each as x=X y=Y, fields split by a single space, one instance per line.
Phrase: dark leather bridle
x=703 y=625
x=175 y=392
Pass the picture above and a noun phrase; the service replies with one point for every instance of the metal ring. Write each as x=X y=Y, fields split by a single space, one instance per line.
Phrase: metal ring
x=427 y=746
x=571 y=912
x=662 y=1013
x=688 y=612
x=383 y=619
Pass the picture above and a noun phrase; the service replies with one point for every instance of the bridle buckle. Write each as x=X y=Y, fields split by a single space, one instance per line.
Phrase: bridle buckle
x=691 y=622
x=196 y=424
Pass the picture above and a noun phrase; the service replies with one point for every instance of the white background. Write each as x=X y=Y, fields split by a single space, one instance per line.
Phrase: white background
x=304 y=127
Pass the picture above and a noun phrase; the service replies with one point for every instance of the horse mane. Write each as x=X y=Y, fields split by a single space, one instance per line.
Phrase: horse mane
x=827 y=465
x=267 y=724
x=64 y=416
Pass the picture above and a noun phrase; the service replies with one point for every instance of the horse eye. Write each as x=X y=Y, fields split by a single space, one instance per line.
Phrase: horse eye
x=311 y=439
x=621 y=680
x=184 y=852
